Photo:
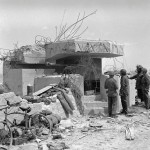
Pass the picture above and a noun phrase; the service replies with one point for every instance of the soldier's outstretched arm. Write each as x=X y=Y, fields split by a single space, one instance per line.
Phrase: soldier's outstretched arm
x=133 y=77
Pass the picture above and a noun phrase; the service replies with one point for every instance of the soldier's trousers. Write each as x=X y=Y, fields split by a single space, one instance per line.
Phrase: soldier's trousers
x=111 y=102
x=140 y=94
x=124 y=104
x=146 y=98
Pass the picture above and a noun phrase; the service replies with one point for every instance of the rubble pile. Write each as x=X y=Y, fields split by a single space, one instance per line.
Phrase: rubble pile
x=55 y=99
x=91 y=132
x=70 y=130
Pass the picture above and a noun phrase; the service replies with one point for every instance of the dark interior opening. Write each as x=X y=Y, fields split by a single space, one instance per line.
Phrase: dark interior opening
x=91 y=87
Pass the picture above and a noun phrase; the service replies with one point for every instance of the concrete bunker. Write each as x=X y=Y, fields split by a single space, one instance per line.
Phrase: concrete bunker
x=81 y=59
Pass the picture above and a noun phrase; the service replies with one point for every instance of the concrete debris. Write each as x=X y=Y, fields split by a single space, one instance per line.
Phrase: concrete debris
x=56 y=99
x=9 y=97
x=57 y=136
x=75 y=132
x=37 y=93
x=57 y=146
x=43 y=146
x=67 y=124
x=3 y=89
x=85 y=129
x=129 y=132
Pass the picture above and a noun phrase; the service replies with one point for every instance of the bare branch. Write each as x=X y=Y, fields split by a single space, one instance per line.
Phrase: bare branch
x=63 y=29
x=62 y=21
x=80 y=33
x=74 y=24
x=77 y=29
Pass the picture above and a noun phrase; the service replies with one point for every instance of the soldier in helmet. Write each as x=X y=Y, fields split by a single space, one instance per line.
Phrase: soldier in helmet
x=145 y=88
x=124 y=90
x=138 y=78
x=111 y=86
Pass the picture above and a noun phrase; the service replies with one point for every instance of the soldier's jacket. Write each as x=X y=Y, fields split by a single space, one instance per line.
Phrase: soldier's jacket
x=145 y=82
x=138 y=78
x=111 y=85
x=124 y=89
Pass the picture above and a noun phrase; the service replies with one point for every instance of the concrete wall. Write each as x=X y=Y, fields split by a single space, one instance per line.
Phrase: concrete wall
x=132 y=92
x=43 y=81
x=118 y=104
x=53 y=49
x=28 y=76
x=102 y=89
x=17 y=79
x=12 y=79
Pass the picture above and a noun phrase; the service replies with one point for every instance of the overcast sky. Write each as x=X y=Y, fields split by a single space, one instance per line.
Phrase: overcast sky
x=123 y=21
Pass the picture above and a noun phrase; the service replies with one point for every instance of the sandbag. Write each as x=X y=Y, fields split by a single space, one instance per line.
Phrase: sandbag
x=50 y=122
x=53 y=119
x=64 y=104
x=51 y=125
x=46 y=112
x=66 y=97
x=68 y=100
x=58 y=117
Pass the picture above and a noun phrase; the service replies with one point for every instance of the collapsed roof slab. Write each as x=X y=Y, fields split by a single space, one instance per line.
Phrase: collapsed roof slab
x=30 y=54
x=96 y=49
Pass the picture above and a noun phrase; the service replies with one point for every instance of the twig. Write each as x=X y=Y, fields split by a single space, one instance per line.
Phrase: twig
x=62 y=20
x=77 y=29
x=74 y=24
x=78 y=36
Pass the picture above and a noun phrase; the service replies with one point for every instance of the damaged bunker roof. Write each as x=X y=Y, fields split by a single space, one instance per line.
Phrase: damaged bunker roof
x=96 y=49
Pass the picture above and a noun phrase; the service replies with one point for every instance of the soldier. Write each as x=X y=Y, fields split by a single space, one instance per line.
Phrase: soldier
x=124 y=90
x=111 y=86
x=145 y=88
x=138 y=78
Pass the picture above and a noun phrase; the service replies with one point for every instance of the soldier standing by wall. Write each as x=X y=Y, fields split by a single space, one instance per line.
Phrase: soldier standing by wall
x=111 y=86
x=145 y=88
x=124 y=90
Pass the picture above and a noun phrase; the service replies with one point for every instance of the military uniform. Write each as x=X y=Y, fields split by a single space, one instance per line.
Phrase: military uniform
x=138 y=78
x=124 y=90
x=111 y=86
x=145 y=88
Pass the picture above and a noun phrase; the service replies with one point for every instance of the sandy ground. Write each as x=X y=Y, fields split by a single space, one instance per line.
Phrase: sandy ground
x=111 y=136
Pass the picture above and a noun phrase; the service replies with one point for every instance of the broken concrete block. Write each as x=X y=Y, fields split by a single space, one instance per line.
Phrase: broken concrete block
x=43 y=146
x=66 y=123
x=55 y=108
x=11 y=97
